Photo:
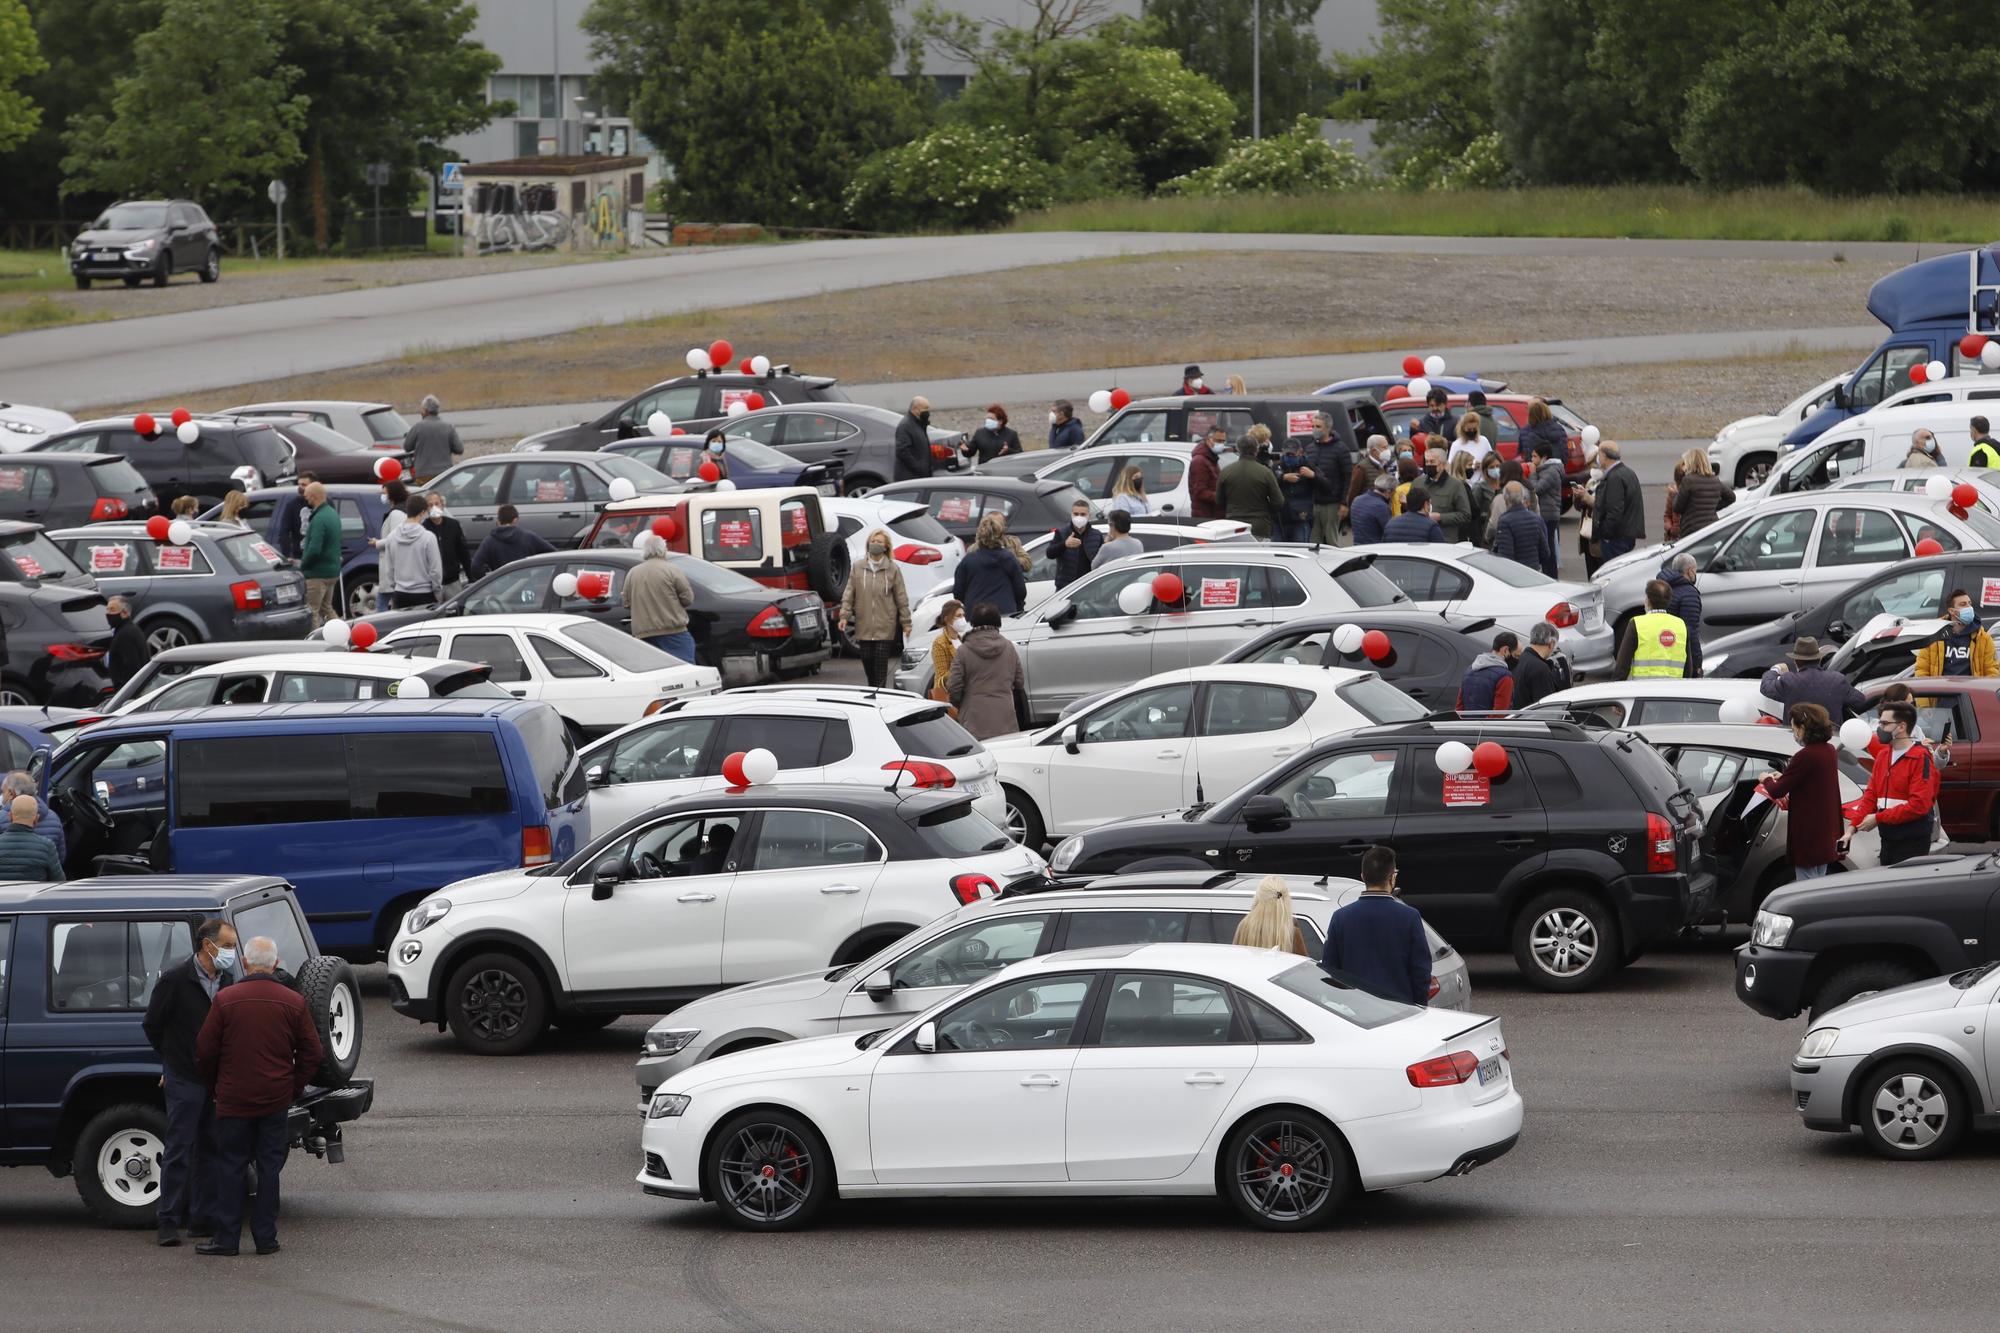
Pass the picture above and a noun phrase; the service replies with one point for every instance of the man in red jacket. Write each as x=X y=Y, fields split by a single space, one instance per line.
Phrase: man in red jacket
x=1205 y=472
x=1902 y=788
x=258 y=1050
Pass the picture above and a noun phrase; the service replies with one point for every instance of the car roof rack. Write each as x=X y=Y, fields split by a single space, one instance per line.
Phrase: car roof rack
x=1512 y=722
x=835 y=693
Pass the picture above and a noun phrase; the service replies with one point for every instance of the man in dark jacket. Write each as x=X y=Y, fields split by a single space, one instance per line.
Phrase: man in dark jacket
x=452 y=550
x=1075 y=547
x=258 y=1050
x=174 y=1017
x=1805 y=681
x=1540 y=671
x=1488 y=684
x=1192 y=382
x=1618 y=516
x=1379 y=941
x=24 y=853
x=1519 y=534
x=1248 y=492
x=508 y=542
x=1065 y=431
x=990 y=574
x=1370 y=513
x=1679 y=576
x=913 y=441
x=1332 y=464
x=129 y=649
x=1205 y=473
x=1417 y=523
x=49 y=825
x=432 y=442
x=1437 y=418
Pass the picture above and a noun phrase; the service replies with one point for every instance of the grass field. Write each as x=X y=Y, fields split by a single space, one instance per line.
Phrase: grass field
x=1648 y=211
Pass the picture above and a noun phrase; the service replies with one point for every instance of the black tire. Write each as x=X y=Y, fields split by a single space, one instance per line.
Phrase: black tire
x=1567 y=940
x=1285 y=1169
x=334 y=997
x=18 y=693
x=117 y=1164
x=357 y=593
x=82 y=283
x=768 y=1170
x=495 y=1005
x=860 y=483
x=164 y=632
x=827 y=567
x=164 y=272
x=586 y=1022
x=1024 y=820
x=1752 y=470
x=867 y=946
x=1855 y=979
x=133 y=282
x=211 y=267
x=1911 y=1109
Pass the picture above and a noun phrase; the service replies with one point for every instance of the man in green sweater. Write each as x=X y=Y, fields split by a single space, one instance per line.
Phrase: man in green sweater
x=1249 y=492
x=319 y=556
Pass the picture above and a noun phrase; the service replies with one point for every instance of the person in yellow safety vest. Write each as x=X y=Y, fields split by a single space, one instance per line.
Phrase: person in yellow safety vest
x=1985 y=451
x=1654 y=644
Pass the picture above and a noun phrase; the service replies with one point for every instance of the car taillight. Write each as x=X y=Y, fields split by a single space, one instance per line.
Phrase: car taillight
x=74 y=652
x=537 y=846
x=912 y=554
x=1662 y=852
x=247 y=595
x=940 y=451
x=922 y=772
x=770 y=623
x=108 y=508
x=1445 y=1071
x=1435 y=988
x=971 y=888
x=1563 y=615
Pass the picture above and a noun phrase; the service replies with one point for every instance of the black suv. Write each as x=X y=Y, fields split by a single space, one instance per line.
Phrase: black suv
x=1817 y=945
x=694 y=402
x=80 y=1084
x=147 y=238
x=228 y=455
x=1578 y=857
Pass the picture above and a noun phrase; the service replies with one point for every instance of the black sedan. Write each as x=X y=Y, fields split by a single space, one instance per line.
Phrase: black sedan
x=695 y=402
x=861 y=439
x=960 y=500
x=747 y=463
x=748 y=632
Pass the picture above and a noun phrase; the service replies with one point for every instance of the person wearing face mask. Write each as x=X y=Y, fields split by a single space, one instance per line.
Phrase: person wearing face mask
x=951 y=626
x=1192 y=382
x=1902 y=788
x=715 y=449
x=1249 y=492
x=913 y=442
x=876 y=609
x=1073 y=547
x=994 y=437
x=1480 y=488
x=1924 y=451
x=1450 y=497
x=1437 y=418
x=1065 y=431
x=660 y=598
x=130 y=650
x=452 y=548
x=1205 y=472
x=1370 y=512
x=1376 y=458
x=1810 y=788
x=1965 y=650
x=320 y=555
x=990 y=571
x=1804 y=681
x=174 y=1015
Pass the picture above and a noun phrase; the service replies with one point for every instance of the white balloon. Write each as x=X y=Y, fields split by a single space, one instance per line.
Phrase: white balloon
x=336 y=632
x=659 y=424
x=1737 y=712
x=1938 y=487
x=180 y=532
x=1347 y=638
x=187 y=432
x=1134 y=598
x=1989 y=355
x=1591 y=435
x=413 y=687
x=1453 y=757
x=623 y=489
x=760 y=765
x=1935 y=371
x=1855 y=733
x=1100 y=401
x=760 y=365
x=725 y=485
x=1433 y=365
x=564 y=584
x=639 y=538
x=738 y=408
x=697 y=358
x=1420 y=387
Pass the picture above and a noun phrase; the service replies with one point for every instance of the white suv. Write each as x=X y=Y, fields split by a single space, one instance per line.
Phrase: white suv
x=819 y=733
x=705 y=891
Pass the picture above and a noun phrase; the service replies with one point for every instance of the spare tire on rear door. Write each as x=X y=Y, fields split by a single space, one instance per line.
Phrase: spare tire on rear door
x=826 y=567
x=330 y=992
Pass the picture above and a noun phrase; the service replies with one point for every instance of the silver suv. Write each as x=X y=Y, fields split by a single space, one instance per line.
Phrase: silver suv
x=973 y=942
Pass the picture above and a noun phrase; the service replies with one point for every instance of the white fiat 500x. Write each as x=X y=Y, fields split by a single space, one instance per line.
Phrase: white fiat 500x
x=1155 y=1069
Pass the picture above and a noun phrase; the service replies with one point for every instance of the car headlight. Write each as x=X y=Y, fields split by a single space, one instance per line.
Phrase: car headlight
x=1771 y=930
x=666 y=1104
x=1066 y=854
x=141 y=250
x=1818 y=1043
x=1712 y=662
x=21 y=428
x=426 y=913
x=668 y=1041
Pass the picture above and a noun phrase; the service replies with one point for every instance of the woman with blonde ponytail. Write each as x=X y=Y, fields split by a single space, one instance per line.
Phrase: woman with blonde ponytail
x=1269 y=923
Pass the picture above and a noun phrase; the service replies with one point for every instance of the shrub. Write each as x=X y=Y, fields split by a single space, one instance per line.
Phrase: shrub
x=1100 y=168
x=951 y=178
x=1299 y=161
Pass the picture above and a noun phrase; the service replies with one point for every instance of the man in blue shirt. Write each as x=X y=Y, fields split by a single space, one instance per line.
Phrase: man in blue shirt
x=1378 y=940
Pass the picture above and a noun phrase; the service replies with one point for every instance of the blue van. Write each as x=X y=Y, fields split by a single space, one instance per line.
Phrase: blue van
x=363 y=810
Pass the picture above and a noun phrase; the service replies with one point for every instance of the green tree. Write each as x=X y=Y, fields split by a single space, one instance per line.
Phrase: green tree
x=1173 y=119
x=1562 y=120
x=1213 y=38
x=1653 y=53
x=1297 y=160
x=1015 y=62
x=87 y=44
x=20 y=59
x=953 y=177
x=208 y=110
x=1427 y=83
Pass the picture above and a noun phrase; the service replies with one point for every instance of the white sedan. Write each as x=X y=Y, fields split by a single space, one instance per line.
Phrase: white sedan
x=1745 y=449
x=1173 y=739
x=924 y=550
x=1157 y=1069
x=597 y=677
x=1657 y=702
x=1461 y=577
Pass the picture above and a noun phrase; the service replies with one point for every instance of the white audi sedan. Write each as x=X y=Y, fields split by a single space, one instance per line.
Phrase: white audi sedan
x=1153 y=1069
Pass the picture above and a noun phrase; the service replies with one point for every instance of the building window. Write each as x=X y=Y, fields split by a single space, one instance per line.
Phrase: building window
x=531 y=94
x=527 y=134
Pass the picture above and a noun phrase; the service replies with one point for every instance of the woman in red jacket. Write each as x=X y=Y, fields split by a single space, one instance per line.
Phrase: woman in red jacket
x=1811 y=781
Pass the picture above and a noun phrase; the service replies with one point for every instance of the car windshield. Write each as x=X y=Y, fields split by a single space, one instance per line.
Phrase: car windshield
x=959 y=830
x=1571 y=422
x=386 y=424
x=762 y=457
x=1510 y=572
x=619 y=648
x=115 y=476
x=715 y=580
x=131 y=217
x=1379 y=701
x=325 y=438
x=1341 y=995
x=32 y=555
x=918 y=525
x=1969 y=978
x=1984 y=526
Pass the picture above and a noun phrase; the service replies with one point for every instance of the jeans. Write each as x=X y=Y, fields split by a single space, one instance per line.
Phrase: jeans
x=1555 y=552
x=241 y=1140
x=321 y=596
x=1298 y=525
x=1610 y=548
x=680 y=644
x=382 y=597
x=1808 y=872
x=187 y=1167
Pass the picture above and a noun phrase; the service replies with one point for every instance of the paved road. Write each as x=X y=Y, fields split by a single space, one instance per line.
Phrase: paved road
x=181 y=353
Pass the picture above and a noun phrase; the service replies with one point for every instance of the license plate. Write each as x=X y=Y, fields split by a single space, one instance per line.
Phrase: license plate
x=980 y=787
x=828 y=488
x=1489 y=1070
x=107 y=255
x=288 y=592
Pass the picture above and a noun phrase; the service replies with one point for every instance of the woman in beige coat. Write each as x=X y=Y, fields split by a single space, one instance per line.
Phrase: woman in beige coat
x=875 y=609
x=985 y=677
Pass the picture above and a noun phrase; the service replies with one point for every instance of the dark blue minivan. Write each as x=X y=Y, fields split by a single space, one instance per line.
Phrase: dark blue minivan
x=364 y=810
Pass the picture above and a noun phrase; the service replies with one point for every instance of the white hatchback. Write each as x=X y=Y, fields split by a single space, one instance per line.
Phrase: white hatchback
x=598 y=678
x=1156 y=1069
x=925 y=552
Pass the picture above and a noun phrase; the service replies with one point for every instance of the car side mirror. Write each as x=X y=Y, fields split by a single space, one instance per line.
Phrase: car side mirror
x=1060 y=614
x=880 y=986
x=603 y=882
x=926 y=1038
x=1266 y=814
x=1072 y=737
x=597 y=776
x=1840 y=396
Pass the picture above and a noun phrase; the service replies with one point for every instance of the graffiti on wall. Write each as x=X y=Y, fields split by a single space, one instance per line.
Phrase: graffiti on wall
x=604 y=223
x=507 y=218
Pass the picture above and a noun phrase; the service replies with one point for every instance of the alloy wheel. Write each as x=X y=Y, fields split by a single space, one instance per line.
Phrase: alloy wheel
x=1564 y=941
x=766 y=1173
x=1285 y=1171
x=360 y=600
x=1017 y=823
x=162 y=637
x=495 y=1003
x=1910 y=1111
x=128 y=1167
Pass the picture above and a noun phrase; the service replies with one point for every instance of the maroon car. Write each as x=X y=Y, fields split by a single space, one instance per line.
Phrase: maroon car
x=328 y=454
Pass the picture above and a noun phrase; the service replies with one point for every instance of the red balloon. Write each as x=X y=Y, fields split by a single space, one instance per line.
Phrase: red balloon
x=388 y=469
x=1965 y=495
x=1120 y=400
x=1413 y=365
x=145 y=425
x=157 y=525
x=708 y=471
x=744 y=366
x=363 y=635
x=732 y=768
x=1374 y=645
x=1396 y=391
x=1971 y=345
x=719 y=353
x=1419 y=440
x=1167 y=587
x=665 y=528
x=1930 y=546
x=678 y=430
x=593 y=585
x=181 y=416
x=1489 y=758
x=754 y=401
x=1919 y=373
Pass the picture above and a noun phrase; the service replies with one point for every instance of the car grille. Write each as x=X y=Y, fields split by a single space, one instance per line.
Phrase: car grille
x=1804 y=1097
x=656 y=1166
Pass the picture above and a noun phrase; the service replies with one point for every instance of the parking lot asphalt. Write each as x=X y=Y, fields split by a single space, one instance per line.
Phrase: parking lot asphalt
x=1662 y=1182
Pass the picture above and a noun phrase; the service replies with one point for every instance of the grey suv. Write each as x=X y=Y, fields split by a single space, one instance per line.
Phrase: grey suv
x=147 y=238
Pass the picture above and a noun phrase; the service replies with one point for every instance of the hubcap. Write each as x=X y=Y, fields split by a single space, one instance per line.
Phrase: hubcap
x=766 y=1173
x=496 y=1004
x=15 y=699
x=1285 y=1171
x=340 y=1021
x=165 y=637
x=1910 y=1111
x=360 y=601
x=1564 y=941
x=128 y=1167
x=1017 y=823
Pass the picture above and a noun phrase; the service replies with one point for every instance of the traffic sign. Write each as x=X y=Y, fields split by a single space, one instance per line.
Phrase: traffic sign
x=277 y=192
x=453 y=179
x=378 y=173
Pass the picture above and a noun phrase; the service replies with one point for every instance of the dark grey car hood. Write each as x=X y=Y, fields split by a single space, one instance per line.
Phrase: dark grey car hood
x=118 y=238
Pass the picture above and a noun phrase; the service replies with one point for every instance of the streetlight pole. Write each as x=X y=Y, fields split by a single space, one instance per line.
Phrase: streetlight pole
x=1256 y=69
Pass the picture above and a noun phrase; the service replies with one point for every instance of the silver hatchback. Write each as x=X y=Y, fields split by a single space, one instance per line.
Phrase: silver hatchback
x=969 y=944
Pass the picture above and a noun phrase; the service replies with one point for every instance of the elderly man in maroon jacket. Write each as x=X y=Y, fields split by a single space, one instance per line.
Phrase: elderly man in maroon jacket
x=258 y=1050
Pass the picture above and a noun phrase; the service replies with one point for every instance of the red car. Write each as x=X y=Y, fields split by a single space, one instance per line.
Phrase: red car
x=1968 y=708
x=1506 y=415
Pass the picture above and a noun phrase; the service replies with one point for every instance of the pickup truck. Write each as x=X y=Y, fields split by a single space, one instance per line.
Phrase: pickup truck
x=79 y=1083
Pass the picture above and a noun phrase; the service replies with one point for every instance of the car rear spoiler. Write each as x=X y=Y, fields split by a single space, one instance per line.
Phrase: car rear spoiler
x=451 y=677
